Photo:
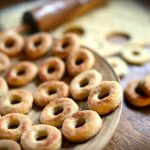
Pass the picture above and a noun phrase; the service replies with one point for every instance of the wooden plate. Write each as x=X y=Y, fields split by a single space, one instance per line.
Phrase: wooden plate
x=109 y=122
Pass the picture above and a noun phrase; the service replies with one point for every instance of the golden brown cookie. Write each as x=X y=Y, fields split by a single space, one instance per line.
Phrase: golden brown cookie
x=41 y=137
x=105 y=97
x=57 y=111
x=81 y=126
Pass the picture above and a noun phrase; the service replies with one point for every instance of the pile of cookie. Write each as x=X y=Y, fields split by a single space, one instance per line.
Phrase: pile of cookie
x=56 y=99
x=137 y=92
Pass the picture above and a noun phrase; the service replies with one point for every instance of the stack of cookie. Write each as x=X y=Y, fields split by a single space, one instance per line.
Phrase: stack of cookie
x=57 y=100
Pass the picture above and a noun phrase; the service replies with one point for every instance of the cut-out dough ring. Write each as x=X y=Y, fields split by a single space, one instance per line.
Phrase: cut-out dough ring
x=67 y=44
x=119 y=65
x=145 y=85
x=9 y=145
x=17 y=101
x=37 y=45
x=21 y=73
x=81 y=126
x=105 y=97
x=49 y=91
x=11 y=43
x=133 y=97
x=135 y=55
x=79 y=61
x=42 y=137
x=83 y=83
x=52 y=69
x=4 y=62
x=13 y=125
x=57 y=111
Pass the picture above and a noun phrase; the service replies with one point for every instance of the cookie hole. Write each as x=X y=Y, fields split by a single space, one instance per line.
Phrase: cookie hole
x=13 y=125
x=136 y=53
x=79 y=61
x=77 y=30
x=21 y=72
x=51 y=91
x=139 y=91
x=42 y=135
x=15 y=101
x=58 y=110
x=9 y=43
x=84 y=82
x=102 y=95
x=118 y=38
x=51 y=70
x=79 y=123
x=37 y=42
x=65 y=45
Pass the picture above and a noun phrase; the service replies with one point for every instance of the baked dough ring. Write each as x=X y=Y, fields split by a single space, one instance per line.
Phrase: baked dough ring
x=49 y=91
x=135 y=96
x=68 y=43
x=4 y=62
x=79 y=61
x=38 y=45
x=9 y=145
x=145 y=85
x=81 y=126
x=135 y=55
x=13 y=125
x=83 y=83
x=11 y=43
x=57 y=111
x=21 y=73
x=105 y=97
x=41 y=137
x=17 y=101
x=52 y=68
x=119 y=65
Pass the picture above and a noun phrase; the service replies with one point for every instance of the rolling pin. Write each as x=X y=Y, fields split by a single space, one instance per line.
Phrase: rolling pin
x=54 y=13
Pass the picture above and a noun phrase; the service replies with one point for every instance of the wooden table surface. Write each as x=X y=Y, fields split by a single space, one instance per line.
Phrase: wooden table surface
x=133 y=131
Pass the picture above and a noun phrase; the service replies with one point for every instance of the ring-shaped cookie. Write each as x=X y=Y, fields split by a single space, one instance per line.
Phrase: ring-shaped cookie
x=64 y=46
x=81 y=126
x=52 y=68
x=13 y=125
x=83 y=83
x=135 y=96
x=17 y=101
x=105 y=97
x=9 y=145
x=135 y=55
x=38 y=45
x=145 y=85
x=4 y=62
x=79 y=61
x=41 y=137
x=11 y=43
x=21 y=73
x=118 y=64
x=49 y=91
x=57 y=111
